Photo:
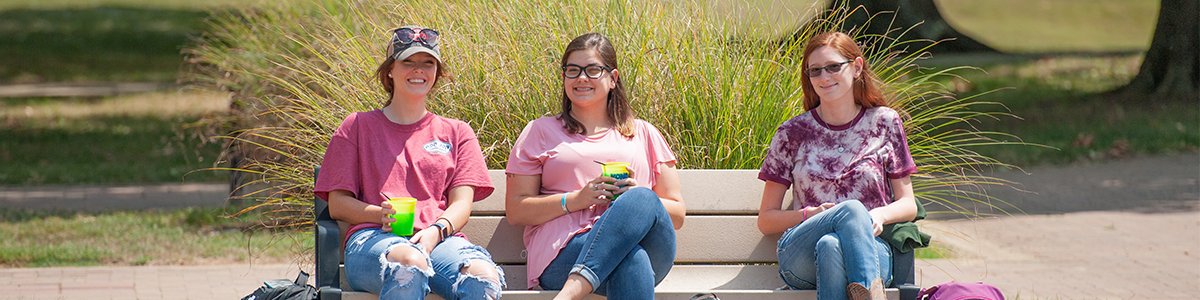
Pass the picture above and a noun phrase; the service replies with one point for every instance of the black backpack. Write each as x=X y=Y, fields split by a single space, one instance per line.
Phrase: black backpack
x=282 y=289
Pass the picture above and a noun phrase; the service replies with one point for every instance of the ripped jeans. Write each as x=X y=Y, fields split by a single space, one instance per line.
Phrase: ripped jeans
x=367 y=268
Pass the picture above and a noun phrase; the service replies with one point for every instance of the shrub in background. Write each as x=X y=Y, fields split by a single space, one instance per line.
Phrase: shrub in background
x=716 y=89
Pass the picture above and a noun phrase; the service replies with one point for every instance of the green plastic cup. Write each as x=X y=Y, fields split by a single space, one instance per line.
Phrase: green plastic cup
x=405 y=207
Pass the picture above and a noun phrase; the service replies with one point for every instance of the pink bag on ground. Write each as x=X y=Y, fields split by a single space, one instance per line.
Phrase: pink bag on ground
x=960 y=291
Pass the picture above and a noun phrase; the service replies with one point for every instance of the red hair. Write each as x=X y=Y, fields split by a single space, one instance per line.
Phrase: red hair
x=866 y=87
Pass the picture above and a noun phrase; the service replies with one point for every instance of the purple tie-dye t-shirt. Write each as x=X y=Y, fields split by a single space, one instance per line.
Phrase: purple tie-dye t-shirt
x=831 y=164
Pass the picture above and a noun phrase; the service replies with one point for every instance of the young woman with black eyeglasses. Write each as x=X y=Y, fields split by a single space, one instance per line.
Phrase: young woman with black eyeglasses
x=403 y=150
x=586 y=232
x=847 y=162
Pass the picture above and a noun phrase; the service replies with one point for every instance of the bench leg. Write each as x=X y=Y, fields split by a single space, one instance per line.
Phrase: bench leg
x=904 y=274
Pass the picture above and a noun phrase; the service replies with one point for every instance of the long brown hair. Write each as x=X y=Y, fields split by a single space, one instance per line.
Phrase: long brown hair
x=385 y=68
x=619 y=111
x=866 y=88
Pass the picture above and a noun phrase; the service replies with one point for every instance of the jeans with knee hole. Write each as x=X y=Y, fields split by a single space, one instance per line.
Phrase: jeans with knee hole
x=832 y=249
x=367 y=268
x=627 y=252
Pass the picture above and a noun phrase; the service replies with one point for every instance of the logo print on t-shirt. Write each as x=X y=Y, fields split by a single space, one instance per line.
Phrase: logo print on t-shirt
x=437 y=147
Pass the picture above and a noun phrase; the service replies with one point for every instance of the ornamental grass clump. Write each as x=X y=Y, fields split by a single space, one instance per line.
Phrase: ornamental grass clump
x=715 y=88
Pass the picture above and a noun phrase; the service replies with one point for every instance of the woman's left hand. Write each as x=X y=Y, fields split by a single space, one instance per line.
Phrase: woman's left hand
x=428 y=238
x=876 y=223
x=620 y=186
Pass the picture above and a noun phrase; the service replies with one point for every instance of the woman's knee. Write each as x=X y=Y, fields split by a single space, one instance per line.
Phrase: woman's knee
x=482 y=269
x=829 y=242
x=639 y=198
x=486 y=273
x=408 y=256
x=854 y=211
x=854 y=205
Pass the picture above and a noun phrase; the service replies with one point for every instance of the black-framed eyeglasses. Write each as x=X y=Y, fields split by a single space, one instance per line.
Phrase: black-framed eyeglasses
x=407 y=35
x=593 y=71
x=831 y=69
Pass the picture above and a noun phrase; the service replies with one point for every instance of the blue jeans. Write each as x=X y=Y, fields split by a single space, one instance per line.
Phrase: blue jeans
x=832 y=249
x=627 y=252
x=367 y=268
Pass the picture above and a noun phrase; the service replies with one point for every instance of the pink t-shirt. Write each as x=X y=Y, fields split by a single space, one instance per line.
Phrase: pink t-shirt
x=369 y=153
x=829 y=164
x=565 y=162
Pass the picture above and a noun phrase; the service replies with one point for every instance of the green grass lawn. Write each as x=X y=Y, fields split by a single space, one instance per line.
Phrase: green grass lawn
x=188 y=236
x=98 y=40
x=1022 y=26
x=1055 y=26
x=117 y=140
x=95 y=44
x=1061 y=103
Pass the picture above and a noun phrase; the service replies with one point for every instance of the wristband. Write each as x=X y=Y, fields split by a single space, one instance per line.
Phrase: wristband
x=804 y=214
x=441 y=229
x=448 y=223
x=564 y=204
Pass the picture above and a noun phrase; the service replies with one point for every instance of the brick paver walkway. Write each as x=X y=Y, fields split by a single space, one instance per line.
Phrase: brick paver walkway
x=144 y=282
x=1086 y=255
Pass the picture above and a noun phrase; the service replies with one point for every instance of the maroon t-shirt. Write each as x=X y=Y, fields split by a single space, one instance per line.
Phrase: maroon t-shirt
x=369 y=153
x=830 y=164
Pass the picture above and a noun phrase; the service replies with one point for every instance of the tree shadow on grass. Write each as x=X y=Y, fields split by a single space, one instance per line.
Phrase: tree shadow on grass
x=98 y=44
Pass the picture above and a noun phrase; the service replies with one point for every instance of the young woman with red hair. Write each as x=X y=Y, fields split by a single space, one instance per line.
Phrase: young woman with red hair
x=847 y=162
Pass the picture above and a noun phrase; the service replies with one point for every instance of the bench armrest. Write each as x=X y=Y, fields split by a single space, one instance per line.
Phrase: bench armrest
x=329 y=293
x=327 y=243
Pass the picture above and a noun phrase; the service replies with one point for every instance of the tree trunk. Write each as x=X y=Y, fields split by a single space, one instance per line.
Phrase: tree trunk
x=1171 y=68
x=903 y=15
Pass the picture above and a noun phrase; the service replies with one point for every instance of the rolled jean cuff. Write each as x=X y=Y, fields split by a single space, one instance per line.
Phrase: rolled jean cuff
x=587 y=274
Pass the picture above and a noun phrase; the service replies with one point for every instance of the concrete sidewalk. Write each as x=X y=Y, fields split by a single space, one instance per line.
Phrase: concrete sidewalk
x=1126 y=229
x=76 y=89
x=114 y=197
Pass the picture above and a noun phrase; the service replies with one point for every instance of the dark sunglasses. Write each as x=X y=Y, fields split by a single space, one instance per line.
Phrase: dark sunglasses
x=426 y=36
x=591 y=71
x=831 y=69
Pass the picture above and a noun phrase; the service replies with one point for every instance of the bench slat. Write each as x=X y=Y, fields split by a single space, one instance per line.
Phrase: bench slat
x=682 y=277
x=705 y=192
x=892 y=294
x=741 y=241
x=726 y=281
x=659 y=295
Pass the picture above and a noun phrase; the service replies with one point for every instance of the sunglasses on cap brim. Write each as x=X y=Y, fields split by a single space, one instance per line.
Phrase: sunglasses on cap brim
x=407 y=35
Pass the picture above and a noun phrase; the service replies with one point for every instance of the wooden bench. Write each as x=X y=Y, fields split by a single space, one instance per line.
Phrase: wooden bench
x=719 y=248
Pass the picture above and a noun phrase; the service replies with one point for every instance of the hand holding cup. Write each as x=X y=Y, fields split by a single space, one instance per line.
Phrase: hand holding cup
x=620 y=176
x=398 y=215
